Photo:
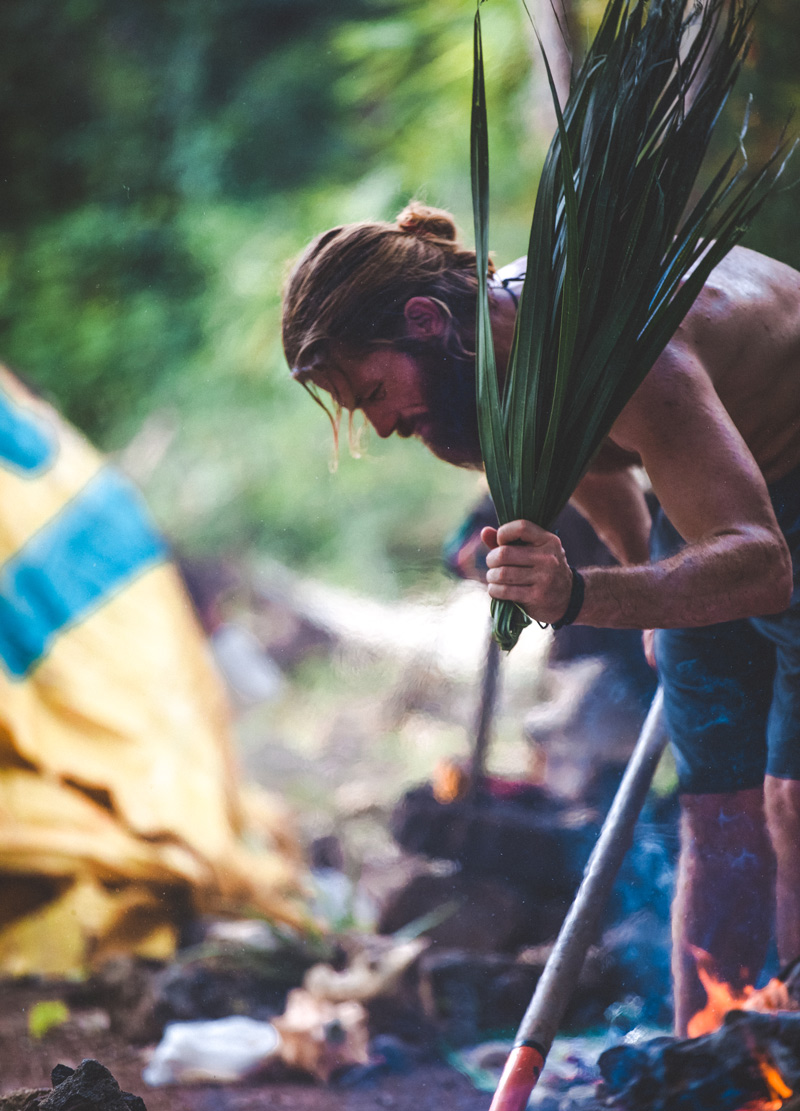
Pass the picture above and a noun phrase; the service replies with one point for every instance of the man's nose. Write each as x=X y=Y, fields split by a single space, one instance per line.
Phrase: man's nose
x=382 y=421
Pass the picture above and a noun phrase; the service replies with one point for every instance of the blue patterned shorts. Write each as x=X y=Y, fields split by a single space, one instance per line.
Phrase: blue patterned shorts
x=732 y=691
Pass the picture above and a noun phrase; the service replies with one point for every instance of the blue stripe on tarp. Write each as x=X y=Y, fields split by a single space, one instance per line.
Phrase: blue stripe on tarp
x=98 y=542
x=27 y=443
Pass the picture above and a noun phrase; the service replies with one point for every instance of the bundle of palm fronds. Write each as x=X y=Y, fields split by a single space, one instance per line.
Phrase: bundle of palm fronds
x=615 y=258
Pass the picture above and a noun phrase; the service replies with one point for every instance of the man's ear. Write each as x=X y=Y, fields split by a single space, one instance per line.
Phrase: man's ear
x=424 y=318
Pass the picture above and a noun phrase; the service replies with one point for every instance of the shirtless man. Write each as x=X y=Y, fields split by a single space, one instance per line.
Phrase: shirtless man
x=379 y=316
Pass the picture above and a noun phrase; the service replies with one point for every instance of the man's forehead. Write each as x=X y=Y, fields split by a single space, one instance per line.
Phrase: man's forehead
x=332 y=377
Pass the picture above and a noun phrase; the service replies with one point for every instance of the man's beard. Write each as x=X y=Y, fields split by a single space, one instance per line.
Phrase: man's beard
x=448 y=383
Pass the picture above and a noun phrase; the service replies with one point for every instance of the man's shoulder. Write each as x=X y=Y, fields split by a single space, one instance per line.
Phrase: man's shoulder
x=676 y=386
x=748 y=279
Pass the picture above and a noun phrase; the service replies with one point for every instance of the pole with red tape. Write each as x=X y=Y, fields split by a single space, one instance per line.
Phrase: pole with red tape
x=539 y=1027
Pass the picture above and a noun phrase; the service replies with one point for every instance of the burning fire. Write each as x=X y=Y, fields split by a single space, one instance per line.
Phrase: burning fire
x=777 y=1086
x=777 y=1089
x=721 y=998
x=449 y=781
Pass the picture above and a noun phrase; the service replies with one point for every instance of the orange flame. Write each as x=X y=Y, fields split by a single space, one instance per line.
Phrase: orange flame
x=449 y=781
x=778 y=1089
x=773 y=997
x=721 y=998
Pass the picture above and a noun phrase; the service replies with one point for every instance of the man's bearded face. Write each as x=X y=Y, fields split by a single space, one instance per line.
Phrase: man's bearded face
x=412 y=388
x=448 y=386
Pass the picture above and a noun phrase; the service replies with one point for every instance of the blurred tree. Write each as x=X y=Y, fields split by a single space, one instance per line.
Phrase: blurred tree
x=163 y=158
x=560 y=40
x=114 y=115
x=116 y=101
x=772 y=77
x=119 y=116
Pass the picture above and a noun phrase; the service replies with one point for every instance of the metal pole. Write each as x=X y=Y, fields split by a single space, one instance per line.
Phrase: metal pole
x=484 y=719
x=540 y=1024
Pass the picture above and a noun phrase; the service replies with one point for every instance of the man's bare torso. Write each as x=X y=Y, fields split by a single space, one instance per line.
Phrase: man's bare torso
x=743 y=332
x=745 y=329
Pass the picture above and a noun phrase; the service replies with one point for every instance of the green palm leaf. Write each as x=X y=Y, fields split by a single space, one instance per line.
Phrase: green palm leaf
x=615 y=260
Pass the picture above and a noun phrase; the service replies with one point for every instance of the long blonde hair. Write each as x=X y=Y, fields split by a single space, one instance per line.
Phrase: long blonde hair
x=351 y=284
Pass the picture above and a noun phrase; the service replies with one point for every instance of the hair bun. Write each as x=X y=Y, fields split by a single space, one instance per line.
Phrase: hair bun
x=427 y=223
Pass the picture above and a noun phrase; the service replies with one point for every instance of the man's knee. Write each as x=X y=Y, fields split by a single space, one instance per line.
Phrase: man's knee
x=782 y=802
x=723 y=824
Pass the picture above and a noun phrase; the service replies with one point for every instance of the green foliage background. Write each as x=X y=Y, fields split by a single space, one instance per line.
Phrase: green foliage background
x=163 y=159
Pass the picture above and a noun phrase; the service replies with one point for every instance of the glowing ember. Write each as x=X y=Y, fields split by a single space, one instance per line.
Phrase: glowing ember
x=776 y=1085
x=774 y=997
x=778 y=1088
x=449 y=781
x=721 y=998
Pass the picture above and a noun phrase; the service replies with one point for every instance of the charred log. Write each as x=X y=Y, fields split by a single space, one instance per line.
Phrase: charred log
x=535 y=839
x=751 y=1059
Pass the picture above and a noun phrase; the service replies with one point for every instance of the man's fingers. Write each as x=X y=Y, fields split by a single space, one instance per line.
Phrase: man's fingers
x=546 y=557
x=519 y=594
x=525 y=531
x=527 y=565
x=521 y=570
x=489 y=537
x=510 y=574
x=533 y=599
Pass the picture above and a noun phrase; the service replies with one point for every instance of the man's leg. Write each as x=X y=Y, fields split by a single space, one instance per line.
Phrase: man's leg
x=718 y=684
x=782 y=803
x=724 y=894
x=782 y=781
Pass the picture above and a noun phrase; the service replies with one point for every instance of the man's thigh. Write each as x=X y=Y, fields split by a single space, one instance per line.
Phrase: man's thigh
x=718 y=688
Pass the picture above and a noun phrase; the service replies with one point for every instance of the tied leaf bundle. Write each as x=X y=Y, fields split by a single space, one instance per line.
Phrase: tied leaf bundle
x=615 y=259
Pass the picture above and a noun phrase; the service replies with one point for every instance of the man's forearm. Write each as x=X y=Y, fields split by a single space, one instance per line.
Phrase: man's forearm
x=720 y=579
x=615 y=507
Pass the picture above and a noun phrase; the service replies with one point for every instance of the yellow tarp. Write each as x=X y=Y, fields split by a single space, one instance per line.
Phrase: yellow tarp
x=119 y=807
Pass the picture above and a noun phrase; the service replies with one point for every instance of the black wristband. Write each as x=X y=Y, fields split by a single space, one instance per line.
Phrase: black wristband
x=575 y=600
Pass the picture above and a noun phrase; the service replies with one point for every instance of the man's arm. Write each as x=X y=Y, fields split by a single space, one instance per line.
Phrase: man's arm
x=612 y=501
x=735 y=563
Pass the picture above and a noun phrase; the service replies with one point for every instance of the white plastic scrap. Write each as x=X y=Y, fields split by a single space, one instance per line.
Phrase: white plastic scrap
x=223 y=1050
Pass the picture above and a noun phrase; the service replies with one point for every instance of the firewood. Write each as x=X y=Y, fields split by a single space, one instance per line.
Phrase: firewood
x=752 y=1057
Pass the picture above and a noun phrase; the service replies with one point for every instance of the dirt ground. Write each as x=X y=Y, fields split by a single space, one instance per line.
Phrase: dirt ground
x=26 y=1062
